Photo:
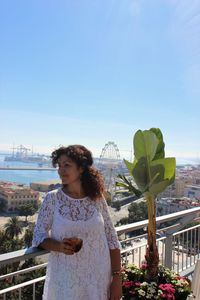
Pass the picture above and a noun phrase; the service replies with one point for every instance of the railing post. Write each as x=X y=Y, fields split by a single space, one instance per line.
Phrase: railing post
x=20 y=293
x=34 y=291
x=168 y=250
x=198 y=240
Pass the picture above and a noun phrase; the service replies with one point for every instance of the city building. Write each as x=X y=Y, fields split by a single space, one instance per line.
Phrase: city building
x=187 y=183
x=12 y=195
x=45 y=186
x=192 y=191
x=171 y=205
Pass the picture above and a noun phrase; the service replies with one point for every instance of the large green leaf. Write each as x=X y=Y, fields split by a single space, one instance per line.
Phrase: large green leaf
x=150 y=170
x=157 y=173
x=129 y=166
x=154 y=176
x=147 y=176
x=169 y=165
x=159 y=187
x=145 y=144
x=160 y=151
x=140 y=174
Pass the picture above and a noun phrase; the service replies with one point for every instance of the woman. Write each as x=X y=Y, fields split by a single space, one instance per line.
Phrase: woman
x=74 y=214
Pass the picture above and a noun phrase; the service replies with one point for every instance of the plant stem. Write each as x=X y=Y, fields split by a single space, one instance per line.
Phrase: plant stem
x=152 y=256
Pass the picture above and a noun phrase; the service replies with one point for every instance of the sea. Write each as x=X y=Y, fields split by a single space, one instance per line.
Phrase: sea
x=25 y=176
x=29 y=176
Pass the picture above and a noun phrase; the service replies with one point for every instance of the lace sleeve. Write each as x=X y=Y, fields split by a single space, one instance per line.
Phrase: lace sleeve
x=44 y=220
x=110 y=231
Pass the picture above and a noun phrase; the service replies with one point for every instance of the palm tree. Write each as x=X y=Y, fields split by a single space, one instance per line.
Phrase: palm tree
x=3 y=238
x=27 y=210
x=152 y=173
x=13 y=227
x=28 y=236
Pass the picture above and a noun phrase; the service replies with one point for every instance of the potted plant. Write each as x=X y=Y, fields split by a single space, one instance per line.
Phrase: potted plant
x=152 y=173
x=169 y=285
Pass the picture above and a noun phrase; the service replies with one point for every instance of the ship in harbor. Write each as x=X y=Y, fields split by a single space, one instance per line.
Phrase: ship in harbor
x=21 y=154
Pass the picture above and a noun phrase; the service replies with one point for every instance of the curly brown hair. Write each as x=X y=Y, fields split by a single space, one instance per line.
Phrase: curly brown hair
x=92 y=180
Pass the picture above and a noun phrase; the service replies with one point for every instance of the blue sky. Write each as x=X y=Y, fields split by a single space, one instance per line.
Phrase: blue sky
x=95 y=71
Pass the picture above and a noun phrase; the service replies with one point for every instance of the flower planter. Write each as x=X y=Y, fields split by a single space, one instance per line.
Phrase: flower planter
x=169 y=285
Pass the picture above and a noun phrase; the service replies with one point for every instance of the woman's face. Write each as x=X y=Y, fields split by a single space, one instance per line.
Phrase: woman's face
x=68 y=170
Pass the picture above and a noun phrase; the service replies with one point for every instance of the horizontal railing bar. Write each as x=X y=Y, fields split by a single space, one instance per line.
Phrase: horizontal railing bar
x=178 y=215
x=134 y=238
x=23 y=271
x=18 y=286
x=140 y=245
x=21 y=255
x=24 y=254
x=188 y=271
x=133 y=248
x=187 y=229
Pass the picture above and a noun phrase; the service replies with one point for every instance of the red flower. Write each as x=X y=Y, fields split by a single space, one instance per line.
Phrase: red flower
x=168 y=296
x=128 y=284
x=168 y=287
x=137 y=283
x=143 y=266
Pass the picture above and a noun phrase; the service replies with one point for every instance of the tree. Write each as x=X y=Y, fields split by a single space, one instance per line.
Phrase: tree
x=137 y=212
x=13 y=227
x=27 y=210
x=152 y=173
x=27 y=292
x=122 y=221
x=160 y=210
x=117 y=205
x=3 y=238
x=9 y=245
x=51 y=187
x=28 y=236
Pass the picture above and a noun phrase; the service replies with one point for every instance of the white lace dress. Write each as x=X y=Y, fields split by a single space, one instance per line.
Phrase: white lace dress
x=85 y=275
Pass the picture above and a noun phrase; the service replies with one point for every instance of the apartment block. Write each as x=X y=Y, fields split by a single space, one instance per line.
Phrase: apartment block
x=45 y=186
x=192 y=191
x=13 y=195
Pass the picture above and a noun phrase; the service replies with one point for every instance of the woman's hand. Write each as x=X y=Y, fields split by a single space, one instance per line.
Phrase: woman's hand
x=66 y=247
x=116 y=288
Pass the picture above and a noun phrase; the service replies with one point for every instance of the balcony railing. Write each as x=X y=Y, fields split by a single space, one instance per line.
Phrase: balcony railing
x=179 y=249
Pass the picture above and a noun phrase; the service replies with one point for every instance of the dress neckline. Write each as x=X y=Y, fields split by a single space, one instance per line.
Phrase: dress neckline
x=71 y=198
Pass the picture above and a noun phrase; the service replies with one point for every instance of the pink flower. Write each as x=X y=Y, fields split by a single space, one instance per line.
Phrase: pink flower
x=128 y=284
x=168 y=296
x=143 y=266
x=168 y=287
x=137 y=283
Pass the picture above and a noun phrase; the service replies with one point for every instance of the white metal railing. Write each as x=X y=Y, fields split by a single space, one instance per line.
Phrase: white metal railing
x=183 y=249
x=182 y=252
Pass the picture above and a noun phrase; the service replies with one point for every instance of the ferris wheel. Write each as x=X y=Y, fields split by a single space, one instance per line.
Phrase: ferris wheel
x=109 y=164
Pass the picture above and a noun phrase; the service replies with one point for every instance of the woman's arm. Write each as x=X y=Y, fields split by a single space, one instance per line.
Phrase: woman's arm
x=116 y=284
x=53 y=245
x=41 y=236
x=50 y=245
x=115 y=257
x=44 y=220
